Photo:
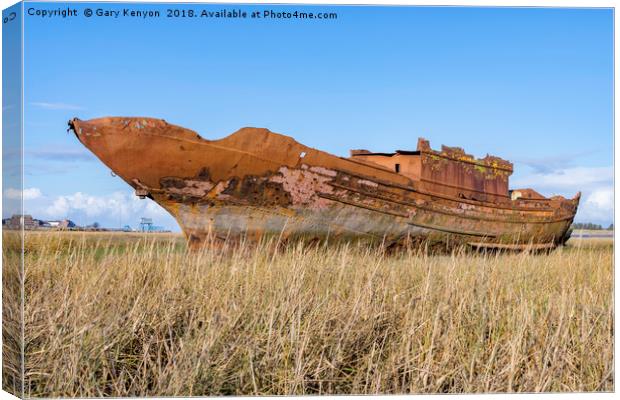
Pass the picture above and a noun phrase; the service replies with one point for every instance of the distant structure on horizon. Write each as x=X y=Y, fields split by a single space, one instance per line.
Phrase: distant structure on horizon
x=30 y=224
x=146 y=225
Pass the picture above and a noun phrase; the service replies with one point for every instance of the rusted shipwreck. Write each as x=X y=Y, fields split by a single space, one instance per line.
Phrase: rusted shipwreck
x=255 y=182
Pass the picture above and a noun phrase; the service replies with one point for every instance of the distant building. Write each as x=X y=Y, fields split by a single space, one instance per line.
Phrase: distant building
x=67 y=224
x=15 y=222
x=43 y=225
x=29 y=223
x=12 y=223
x=146 y=225
x=62 y=224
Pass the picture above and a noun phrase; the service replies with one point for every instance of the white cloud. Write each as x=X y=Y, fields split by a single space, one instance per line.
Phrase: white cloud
x=32 y=193
x=112 y=210
x=567 y=180
x=55 y=106
x=595 y=183
x=117 y=203
x=597 y=206
x=29 y=193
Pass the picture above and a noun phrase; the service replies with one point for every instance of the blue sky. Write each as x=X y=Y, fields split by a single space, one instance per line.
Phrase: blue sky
x=533 y=85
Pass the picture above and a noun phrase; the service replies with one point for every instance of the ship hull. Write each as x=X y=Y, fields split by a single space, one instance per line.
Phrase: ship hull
x=204 y=224
x=255 y=183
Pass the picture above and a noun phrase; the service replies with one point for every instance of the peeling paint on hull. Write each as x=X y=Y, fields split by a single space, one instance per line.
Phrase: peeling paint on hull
x=256 y=182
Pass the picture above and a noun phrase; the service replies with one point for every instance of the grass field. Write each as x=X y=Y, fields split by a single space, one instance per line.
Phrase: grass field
x=132 y=315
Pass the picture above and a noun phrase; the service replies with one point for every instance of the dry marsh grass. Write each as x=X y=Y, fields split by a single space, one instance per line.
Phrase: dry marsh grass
x=111 y=316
